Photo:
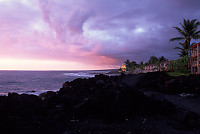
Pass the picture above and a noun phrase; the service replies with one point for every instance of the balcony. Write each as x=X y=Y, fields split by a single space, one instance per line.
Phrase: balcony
x=194 y=63
x=194 y=54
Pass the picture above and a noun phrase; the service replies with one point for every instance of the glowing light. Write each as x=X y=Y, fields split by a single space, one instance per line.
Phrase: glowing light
x=21 y=64
x=140 y=30
x=15 y=64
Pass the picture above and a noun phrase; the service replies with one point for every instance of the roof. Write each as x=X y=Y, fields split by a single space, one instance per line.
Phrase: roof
x=195 y=45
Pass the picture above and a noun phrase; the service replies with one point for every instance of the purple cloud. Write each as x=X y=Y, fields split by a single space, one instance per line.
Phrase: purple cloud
x=97 y=32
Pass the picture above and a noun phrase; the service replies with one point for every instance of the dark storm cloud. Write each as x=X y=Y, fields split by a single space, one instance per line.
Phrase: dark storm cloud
x=152 y=22
x=95 y=32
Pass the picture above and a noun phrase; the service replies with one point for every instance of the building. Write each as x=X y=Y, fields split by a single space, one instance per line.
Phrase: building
x=150 y=68
x=138 y=70
x=154 y=68
x=147 y=68
x=195 y=58
x=163 y=65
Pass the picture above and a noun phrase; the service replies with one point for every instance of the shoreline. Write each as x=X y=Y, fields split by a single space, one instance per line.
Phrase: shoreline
x=21 y=87
x=143 y=103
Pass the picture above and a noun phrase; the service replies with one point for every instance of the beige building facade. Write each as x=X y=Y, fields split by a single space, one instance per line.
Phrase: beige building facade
x=196 y=58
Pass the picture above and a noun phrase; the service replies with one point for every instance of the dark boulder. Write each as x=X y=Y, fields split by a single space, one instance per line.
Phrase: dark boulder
x=106 y=98
x=153 y=81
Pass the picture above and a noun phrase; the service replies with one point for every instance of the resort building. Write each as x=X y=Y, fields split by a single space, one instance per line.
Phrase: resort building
x=163 y=65
x=138 y=70
x=147 y=68
x=195 y=58
x=150 y=68
x=154 y=68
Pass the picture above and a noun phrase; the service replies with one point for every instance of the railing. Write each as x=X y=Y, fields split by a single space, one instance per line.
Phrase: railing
x=194 y=63
x=195 y=53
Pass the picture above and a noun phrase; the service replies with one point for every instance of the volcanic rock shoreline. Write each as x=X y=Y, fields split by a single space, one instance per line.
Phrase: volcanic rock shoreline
x=125 y=104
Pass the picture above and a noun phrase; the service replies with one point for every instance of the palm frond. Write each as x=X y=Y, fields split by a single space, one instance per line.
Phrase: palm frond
x=184 y=22
x=180 y=31
x=187 y=31
x=178 y=48
x=180 y=55
x=184 y=45
x=196 y=33
x=188 y=21
x=193 y=22
x=184 y=27
x=176 y=39
x=192 y=31
x=197 y=24
x=197 y=36
x=194 y=43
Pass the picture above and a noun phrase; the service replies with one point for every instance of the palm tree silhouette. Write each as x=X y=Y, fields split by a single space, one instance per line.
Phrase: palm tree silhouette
x=189 y=31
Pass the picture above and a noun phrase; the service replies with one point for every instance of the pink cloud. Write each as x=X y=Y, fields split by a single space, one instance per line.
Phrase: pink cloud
x=98 y=32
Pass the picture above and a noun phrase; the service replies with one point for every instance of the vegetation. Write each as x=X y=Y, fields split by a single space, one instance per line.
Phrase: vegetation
x=132 y=65
x=153 y=60
x=184 y=51
x=175 y=74
x=179 y=65
x=188 y=31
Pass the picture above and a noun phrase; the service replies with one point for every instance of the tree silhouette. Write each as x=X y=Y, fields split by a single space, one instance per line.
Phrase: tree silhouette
x=188 y=31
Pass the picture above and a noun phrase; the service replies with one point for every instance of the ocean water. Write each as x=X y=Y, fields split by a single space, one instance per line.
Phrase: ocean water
x=36 y=82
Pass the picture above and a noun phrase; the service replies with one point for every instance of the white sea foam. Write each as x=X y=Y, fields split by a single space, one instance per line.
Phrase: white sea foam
x=37 y=82
x=79 y=74
x=85 y=74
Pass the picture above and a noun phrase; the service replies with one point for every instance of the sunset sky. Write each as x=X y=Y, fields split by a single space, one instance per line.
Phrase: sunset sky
x=88 y=34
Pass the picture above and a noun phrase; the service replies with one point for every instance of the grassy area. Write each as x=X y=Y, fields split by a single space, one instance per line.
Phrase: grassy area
x=175 y=74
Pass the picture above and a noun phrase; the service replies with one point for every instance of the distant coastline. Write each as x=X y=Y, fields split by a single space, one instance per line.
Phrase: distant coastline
x=143 y=103
x=36 y=82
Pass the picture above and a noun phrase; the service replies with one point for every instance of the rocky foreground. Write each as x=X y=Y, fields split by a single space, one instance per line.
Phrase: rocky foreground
x=127 y=104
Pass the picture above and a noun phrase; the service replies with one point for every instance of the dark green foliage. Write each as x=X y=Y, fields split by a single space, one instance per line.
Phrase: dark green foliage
x=153 y=60
x=130 y=66
x=180 y=65
x=162 y=59
x=183 y=49
x=188 y=31
x=141 y=65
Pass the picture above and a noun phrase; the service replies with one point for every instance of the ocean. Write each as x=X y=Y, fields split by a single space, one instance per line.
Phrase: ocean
x=37 y=82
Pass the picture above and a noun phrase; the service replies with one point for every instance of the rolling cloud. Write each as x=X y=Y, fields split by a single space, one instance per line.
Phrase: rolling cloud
x=93 y=32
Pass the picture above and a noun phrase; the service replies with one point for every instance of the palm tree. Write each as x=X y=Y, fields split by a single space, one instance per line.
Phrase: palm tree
x=162 y=59
x=153 y=60
x=141 y=65
x=184 y=51
x=189 y=31
x=128 y=65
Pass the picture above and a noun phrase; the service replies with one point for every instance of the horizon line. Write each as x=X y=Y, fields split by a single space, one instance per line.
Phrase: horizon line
x=55 y=69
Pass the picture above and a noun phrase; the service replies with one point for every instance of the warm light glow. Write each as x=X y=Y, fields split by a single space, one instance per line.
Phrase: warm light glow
x=79 y=35
x=15 y=64
x=123 y=67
